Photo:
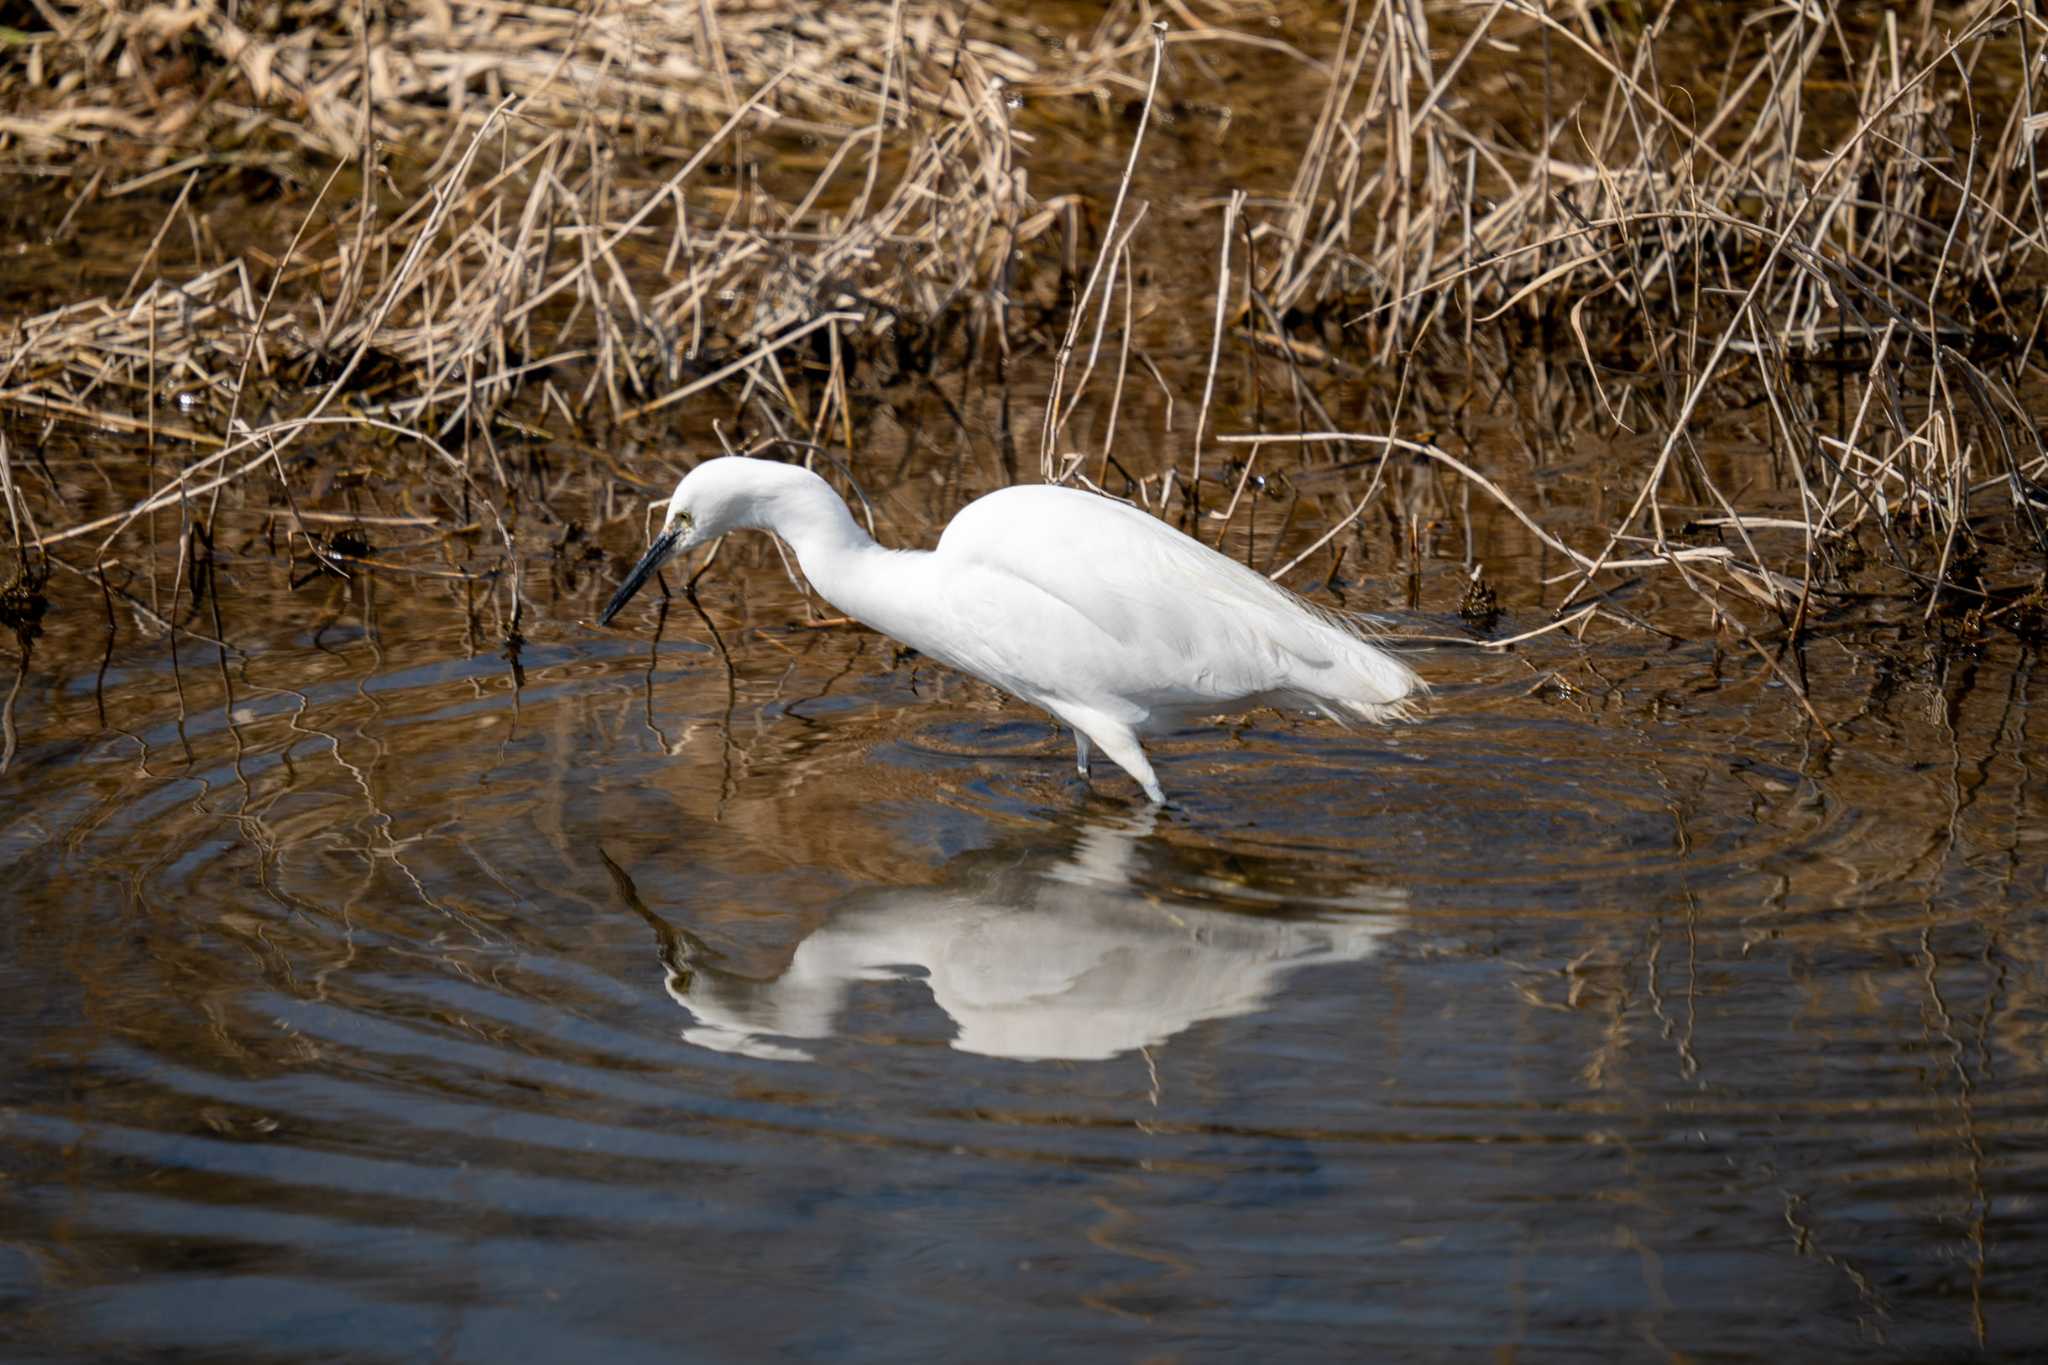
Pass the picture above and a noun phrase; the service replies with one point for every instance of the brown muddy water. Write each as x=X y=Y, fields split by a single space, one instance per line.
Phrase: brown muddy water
x=368 y=994
x=363 y=1004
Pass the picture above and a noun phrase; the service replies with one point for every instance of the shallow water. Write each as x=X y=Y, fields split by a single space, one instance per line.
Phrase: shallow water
x=361 y=1003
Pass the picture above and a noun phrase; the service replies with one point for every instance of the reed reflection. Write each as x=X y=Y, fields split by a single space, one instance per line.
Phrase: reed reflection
x=1040 y=953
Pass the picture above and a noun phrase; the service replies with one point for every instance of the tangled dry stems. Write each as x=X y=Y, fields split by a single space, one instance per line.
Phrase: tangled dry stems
x=1869 y=273
x=1828 y=254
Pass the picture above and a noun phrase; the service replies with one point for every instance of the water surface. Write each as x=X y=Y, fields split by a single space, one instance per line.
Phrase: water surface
x=364 y=999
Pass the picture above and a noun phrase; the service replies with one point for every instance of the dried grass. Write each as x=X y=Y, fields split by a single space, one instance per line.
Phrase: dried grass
x=1862 y=262
x=1842 y=277
x=196 y=75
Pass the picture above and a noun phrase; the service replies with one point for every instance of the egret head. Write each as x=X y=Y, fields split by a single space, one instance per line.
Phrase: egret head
x=724 y=494
x=738 y=493
x=687 y=525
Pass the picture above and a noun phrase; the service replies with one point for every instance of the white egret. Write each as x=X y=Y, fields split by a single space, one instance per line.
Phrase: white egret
x=1086 y=607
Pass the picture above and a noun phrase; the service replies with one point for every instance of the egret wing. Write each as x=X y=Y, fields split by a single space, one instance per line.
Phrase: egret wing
x=1068 y=594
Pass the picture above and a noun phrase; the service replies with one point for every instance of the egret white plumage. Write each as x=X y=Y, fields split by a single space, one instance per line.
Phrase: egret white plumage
x=1088 y=608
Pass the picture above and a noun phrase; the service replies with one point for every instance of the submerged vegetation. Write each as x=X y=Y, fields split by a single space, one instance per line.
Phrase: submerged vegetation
x=450 y=290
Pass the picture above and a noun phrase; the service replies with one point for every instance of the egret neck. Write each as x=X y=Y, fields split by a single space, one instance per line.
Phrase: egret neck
x=880 y=588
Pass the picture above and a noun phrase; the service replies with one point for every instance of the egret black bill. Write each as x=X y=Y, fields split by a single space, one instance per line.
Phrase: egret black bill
x=657 y=554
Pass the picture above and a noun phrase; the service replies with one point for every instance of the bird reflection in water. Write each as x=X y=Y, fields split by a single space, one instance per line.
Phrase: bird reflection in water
x=1034 y=957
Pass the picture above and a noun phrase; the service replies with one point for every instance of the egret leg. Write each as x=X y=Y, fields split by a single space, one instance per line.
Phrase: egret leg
x=1081 y=754
x=1120 y=742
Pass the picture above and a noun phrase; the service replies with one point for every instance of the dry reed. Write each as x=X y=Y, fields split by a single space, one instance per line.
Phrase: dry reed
x=1796 y=299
